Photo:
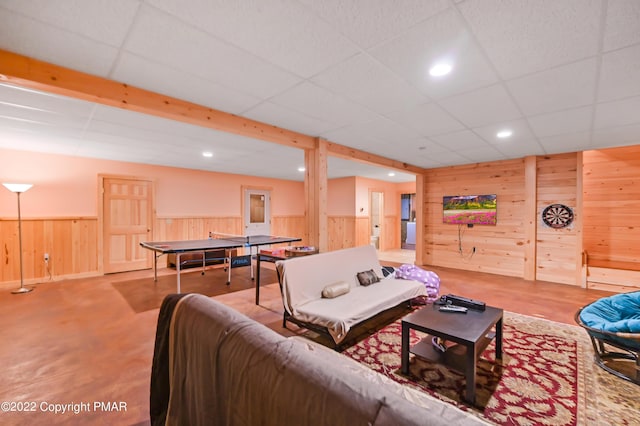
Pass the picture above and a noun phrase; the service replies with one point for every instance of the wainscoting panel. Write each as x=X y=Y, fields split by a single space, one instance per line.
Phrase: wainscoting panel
x=70 y=242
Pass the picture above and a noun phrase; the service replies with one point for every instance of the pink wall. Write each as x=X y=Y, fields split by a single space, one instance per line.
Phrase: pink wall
x=66 y=186
x=341 y=196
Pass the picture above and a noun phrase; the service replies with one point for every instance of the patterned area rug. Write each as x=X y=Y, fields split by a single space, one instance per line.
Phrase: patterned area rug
x=547 y=376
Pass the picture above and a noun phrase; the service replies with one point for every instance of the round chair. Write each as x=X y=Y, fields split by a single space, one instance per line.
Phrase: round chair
x=613 y=324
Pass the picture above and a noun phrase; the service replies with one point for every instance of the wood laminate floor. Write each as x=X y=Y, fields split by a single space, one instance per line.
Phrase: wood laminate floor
x=80 y=342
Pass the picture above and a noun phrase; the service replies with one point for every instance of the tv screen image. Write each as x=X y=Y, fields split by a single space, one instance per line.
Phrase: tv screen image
x=470 y=209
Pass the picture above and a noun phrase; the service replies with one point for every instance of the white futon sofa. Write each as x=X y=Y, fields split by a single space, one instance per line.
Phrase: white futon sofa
x=303 y=279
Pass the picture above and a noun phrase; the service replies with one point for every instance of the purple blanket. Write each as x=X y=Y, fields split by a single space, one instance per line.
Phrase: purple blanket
x=430 y=279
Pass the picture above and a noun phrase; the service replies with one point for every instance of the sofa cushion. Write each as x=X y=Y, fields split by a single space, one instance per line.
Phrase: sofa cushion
x=336 y=289
x=366 y=278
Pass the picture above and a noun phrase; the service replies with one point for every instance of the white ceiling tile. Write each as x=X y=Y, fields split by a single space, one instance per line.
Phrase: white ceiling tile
x=385 y=130
x=618 y=113
x=106 y=21
x=562 y=122
x=47 y=43
x=481 y=154
x=282 y=32
x=620 y=74
x=42 y=117
x=426 y=162
x=448 y=158
x=54 y=104
x=556 y=89
x=323 y=105
x=441 y=38
x=520 y=129
x=523 y=36
x=37 y=142
x=623 y=24
x=482 y=107
x=427 y=119
x=277 y=115
x=616 y=136
x=523 y=148
x=165 y=40
x=27 y=137
x=340 y=167
x=369 y=22
x=364 y=80
x=568 y=142
x=148 y=75
x=458 y=141
x=352 y=137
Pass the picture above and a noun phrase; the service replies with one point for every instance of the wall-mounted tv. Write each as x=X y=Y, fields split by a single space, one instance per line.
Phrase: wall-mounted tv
x=469 y=209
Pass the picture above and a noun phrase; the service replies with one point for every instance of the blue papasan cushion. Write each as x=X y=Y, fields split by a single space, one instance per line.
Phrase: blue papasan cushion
x=614 y=314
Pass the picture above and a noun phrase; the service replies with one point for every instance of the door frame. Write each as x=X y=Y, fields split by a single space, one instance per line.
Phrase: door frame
x=381 y=203
x=243 y=216
x=101 y=179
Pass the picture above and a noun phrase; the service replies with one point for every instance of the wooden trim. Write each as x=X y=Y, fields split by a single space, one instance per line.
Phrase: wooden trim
x=61 y=218
x=39 y=75
x=421 y=220
x=322 y=193
x=354 y=154
x=100 y=228
x=195 y=217
x=578 y=224
x=530 y=217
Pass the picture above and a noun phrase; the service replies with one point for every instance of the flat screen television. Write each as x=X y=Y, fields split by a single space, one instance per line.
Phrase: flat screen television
x=469 y=209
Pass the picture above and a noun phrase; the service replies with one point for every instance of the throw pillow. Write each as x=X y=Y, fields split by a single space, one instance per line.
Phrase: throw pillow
x=335 y=290
x=367 y=277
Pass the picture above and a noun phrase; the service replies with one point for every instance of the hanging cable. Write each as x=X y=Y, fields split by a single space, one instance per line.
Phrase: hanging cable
x=460 y=249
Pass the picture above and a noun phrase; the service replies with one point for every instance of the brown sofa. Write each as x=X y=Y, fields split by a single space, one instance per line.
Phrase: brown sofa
x=215 y=366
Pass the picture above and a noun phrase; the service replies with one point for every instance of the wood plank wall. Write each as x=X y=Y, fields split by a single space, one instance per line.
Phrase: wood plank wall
x=72 y=243
x=343 y=231
x=498 y=249
x=612 y=207
x=556 y=184
x=353 y=231
x=611 y=210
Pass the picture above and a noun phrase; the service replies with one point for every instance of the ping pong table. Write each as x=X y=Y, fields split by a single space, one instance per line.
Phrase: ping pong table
x=216 y=241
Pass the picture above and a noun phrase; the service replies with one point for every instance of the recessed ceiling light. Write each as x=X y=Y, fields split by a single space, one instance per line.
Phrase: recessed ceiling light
x=502 y=134
x=207 y=154
x=440 y=69
x=301 y=169
x=391 y=174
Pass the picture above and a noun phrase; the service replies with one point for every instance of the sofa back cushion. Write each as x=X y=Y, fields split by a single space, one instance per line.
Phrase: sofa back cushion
x=304 y=278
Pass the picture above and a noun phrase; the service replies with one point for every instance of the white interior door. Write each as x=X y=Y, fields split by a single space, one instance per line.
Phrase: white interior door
x=257 y=212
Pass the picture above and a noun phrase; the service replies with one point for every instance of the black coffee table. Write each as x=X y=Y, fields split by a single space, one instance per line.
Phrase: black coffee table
x=472 y=332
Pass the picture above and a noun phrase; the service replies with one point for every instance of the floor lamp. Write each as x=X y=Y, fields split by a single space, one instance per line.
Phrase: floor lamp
x=19 y=188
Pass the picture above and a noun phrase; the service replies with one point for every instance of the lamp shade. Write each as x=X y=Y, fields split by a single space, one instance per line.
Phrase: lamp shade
x=18 y=187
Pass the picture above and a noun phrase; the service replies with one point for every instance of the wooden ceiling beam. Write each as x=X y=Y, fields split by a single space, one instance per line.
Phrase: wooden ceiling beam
x=39 y=75
x=354 y=154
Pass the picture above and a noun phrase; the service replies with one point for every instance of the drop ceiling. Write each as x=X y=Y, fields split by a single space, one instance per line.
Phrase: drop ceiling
x=563 y=76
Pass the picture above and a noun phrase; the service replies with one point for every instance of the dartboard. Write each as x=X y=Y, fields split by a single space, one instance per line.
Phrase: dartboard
x=557 y=216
